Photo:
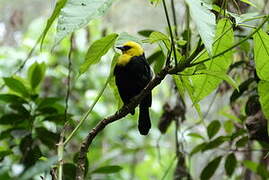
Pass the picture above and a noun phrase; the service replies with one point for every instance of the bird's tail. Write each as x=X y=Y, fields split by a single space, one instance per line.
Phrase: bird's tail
x=144 y=124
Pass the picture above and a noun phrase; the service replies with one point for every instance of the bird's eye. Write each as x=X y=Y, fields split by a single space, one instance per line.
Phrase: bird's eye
x=126 y=48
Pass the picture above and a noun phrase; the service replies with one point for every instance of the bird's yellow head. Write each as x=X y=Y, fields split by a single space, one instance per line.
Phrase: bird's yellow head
x=129 y=50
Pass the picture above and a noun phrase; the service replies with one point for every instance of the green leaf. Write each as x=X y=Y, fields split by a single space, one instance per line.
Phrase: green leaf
x=47 y=137
x=59 y=5
x=5 y=153
x=107 y=170
x=263 y=89
x=204 y=20
x=157 y=37
x=179 y=85
x=145 y=33
x=213 y=128
x=242 y=142
x=16 y=86
x=69 y=171
x=12 y=119
x=190 y=90
x=238 y=133
x=230 y=164
x=215 y=143
x=257 y=168
x=210 y=168
x=77 y=14
x=155 y=56
x=98 y=49
x=159 y=63
x=228 y=126
x=242 y=88
x=261 y=54
x=204 y=84
x=222 y=76
x=196 y=135
x=38 y=168
x=36 y=74
x=197 y=148
x=11 y=98
x=112 y=83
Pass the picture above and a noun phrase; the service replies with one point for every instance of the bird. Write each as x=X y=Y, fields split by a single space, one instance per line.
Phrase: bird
x=132 y=74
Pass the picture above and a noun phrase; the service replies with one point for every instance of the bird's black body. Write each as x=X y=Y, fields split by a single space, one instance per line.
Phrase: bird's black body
x=130 y=80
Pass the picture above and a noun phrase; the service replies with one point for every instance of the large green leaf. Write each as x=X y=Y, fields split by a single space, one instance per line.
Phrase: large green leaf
x=261 y=54
x=77 y=14
x=59 y=5
x=210 y=168
x=263 y=89
x=204 y=84
x=97 y=50
x=16 y=86
x=204 y=20
x=36 y=74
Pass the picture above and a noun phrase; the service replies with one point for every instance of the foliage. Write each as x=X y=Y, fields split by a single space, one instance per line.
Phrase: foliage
x=219 y=59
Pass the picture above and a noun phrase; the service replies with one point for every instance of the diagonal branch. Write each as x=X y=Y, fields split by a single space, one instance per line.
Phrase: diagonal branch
x=126 y=109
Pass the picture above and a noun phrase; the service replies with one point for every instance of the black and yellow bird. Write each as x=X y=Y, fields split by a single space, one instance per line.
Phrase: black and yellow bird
x=132 y=74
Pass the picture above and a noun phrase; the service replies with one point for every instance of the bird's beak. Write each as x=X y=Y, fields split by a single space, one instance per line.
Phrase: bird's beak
x=121 y=48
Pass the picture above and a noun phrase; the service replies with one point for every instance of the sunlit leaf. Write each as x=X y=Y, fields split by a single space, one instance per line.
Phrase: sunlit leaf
x=204 y=20
x=16 y=86
x=158 y=36
x=261 y=54
x=59 y=5
x=77 y=14
x=263 y=89
x=196 y=135
x=257 y=168
x=36 y=74
x=205 y=84
x=97 y=50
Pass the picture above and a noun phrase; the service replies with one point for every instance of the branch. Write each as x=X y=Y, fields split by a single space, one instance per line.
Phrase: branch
x=126 y=109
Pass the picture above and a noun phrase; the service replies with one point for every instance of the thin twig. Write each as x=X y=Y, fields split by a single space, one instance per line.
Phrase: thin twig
x=174 y=17
x=61 y=144
x=171 y=32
